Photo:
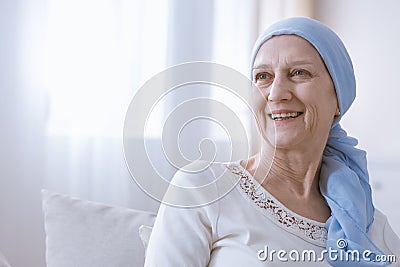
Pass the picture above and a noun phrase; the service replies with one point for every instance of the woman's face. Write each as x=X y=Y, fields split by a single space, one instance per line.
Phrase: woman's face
x=295 y=83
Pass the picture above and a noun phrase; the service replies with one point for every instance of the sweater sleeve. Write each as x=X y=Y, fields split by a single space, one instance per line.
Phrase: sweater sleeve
x=392 y=242
x=382 y=234
x=183 y=236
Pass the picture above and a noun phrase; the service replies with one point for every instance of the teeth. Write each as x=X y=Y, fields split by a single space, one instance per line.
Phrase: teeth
x=280 y=116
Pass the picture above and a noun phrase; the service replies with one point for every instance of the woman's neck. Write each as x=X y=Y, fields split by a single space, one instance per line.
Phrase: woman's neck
x=292 y=177
x=296 y=169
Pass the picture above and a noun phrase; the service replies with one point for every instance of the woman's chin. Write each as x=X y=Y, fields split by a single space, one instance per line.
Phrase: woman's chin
x=285 y=142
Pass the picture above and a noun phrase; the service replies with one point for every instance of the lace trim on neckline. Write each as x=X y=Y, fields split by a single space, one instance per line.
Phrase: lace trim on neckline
x=305 y=228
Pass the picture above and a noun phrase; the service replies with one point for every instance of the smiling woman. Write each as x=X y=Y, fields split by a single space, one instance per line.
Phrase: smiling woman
x=308 y=187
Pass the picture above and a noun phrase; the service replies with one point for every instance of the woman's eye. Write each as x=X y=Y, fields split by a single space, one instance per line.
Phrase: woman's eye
x=301 y=73
x=261 y=76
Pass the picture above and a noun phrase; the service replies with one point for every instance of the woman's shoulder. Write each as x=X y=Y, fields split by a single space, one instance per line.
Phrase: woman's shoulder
x=198 y=184
x=198 y=173
x=382 y=234
x=380 y=224
x=380 y=219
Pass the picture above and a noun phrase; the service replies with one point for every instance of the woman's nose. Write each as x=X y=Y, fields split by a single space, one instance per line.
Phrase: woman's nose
x=279 y=90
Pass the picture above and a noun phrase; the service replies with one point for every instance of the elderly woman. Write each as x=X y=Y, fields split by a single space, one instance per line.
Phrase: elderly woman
x=304 y=198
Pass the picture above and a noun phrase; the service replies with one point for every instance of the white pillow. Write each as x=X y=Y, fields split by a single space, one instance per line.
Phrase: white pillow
x=144 y=233
x=81 y=233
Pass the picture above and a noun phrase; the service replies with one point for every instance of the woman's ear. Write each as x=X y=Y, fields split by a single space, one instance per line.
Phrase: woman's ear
x=337 y=113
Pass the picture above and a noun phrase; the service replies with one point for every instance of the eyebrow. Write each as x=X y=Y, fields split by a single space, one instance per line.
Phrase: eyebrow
x=292 y=63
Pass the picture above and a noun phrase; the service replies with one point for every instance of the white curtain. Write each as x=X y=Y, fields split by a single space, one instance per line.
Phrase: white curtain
x=98 y=53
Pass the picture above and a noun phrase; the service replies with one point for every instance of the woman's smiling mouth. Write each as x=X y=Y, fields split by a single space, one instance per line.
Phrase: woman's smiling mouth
x=280 y=116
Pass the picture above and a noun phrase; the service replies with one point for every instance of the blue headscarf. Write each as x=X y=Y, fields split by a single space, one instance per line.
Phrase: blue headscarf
x=344 y=176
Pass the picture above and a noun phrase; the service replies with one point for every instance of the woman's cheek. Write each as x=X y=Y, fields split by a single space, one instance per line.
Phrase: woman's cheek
x=310 y=117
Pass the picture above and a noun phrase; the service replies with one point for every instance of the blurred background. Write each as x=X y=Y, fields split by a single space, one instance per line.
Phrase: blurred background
x=69 y=69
